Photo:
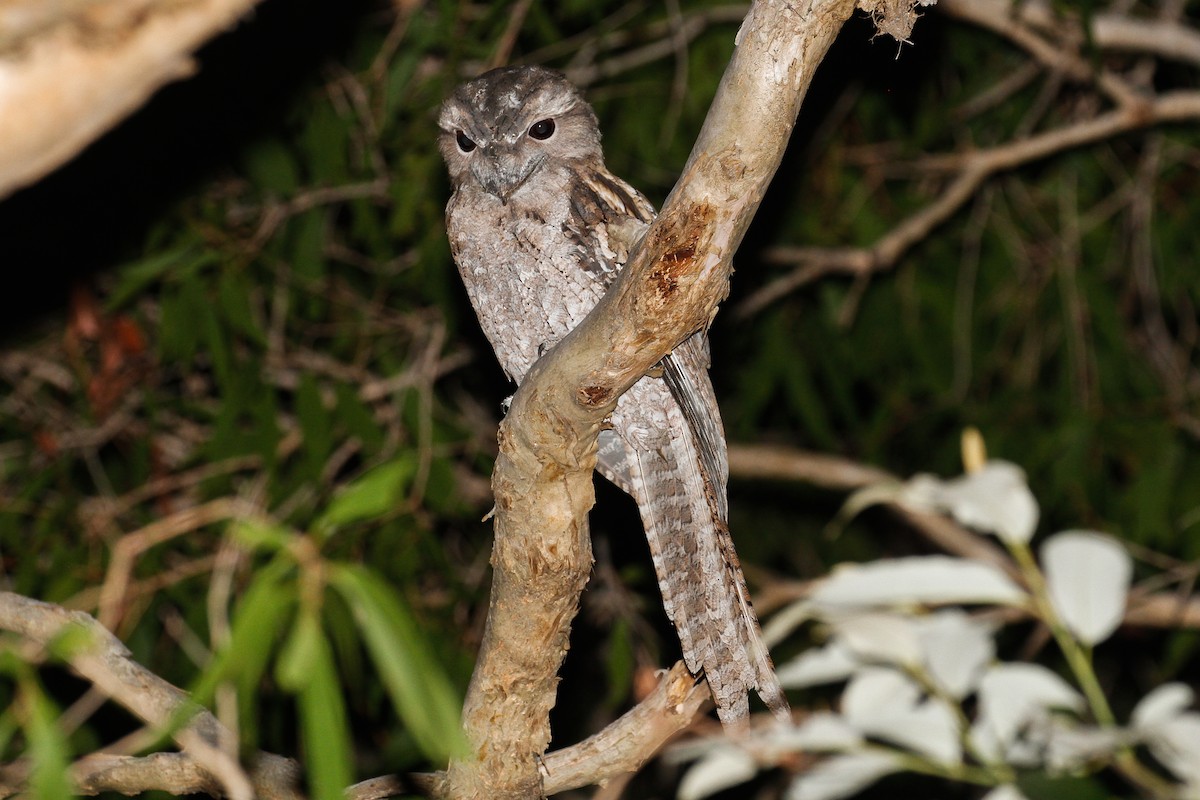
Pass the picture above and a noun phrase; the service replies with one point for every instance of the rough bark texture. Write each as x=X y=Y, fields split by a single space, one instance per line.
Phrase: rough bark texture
x=543 y=476
x=72 y=69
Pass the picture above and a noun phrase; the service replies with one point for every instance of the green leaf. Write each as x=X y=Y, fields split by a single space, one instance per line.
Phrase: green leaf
x=292 y=668
x=48 y=748
x=418 y=686
x=372 y=495
x=307 y=245
x=1036 y=786
x=234 y=295
x=270 y=165
x=178 y=336
x=257 y=623
x=357 y=418
x=135 y=277
x=8 y=728
x=259 y=535
x=324 y=143
x=213 y=334
x=325 y=730
x=619 y=664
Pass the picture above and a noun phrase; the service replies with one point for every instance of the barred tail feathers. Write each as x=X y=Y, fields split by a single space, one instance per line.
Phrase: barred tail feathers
x=704 y=591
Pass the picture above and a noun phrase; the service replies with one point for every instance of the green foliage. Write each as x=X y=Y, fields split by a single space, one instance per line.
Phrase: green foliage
x=286 y=330
x=417 y=687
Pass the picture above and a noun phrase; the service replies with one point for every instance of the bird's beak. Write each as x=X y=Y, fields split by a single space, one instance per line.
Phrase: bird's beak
x=500 y=173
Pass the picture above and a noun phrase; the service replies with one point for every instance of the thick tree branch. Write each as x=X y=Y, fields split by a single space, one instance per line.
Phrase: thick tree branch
x=71 y=71
x=669 y=290
x=620 y=749
x=633 y=739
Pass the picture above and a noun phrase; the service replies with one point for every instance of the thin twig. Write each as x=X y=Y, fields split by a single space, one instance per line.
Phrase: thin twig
x=972 y=169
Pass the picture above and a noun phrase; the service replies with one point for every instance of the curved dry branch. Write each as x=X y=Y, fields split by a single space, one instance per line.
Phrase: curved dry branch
x=1110 y=30
x=631 y=741
x=69 y=71
x=621 y=748
x=972 y=168
x=107 y=664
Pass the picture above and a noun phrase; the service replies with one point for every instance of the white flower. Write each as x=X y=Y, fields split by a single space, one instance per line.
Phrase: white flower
x=1088 y=576
x=818 y=665
x=842 y=776
x=916 y=580
x=1012 y=697
x=886 y=704
x=723 y=766
x=1170 y=731
x=995 y=499
x=956 y=650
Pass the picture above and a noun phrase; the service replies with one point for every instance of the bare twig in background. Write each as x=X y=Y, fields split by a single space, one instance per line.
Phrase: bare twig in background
x=1056 y=44
x=1110 y=30
x=972 y=168
x=776 y=462
x=60 y=89
x=107 y=665
x=130 y=546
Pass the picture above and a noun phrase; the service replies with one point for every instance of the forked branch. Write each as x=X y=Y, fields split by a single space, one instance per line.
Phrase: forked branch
x=669 y=290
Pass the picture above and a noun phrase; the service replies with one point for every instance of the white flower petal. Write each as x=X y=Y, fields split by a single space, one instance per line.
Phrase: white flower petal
x=1088 y=577
x=917 y=579
x=957 y=648
x=1162 y=705
x=822 y=731
x=889 y=638
x=1068 y=746
x=694 y=749
x=1012 y=695
x=1176 y=745
x=841 y=776
x=786 y=620
x=1005 y=792
x=985 y=740
x=995 y=499
x=878 y=690
x=818 y=665
x=930 y=729
x=721 y=768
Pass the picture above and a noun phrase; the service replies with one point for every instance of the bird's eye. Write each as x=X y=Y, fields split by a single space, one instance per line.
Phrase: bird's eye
x=464 y=142
x=542 y=130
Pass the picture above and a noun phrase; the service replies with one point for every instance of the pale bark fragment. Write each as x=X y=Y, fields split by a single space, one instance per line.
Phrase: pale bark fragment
x=69 y=71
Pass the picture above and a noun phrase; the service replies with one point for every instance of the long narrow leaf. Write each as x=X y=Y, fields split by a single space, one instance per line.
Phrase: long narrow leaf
x=261 y=615
x=293 y=667
x=326 y=731
x=48 y=749
x=418 y=686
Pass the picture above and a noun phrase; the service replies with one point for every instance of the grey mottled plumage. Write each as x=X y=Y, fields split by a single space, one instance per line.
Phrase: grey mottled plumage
x=539 y=227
